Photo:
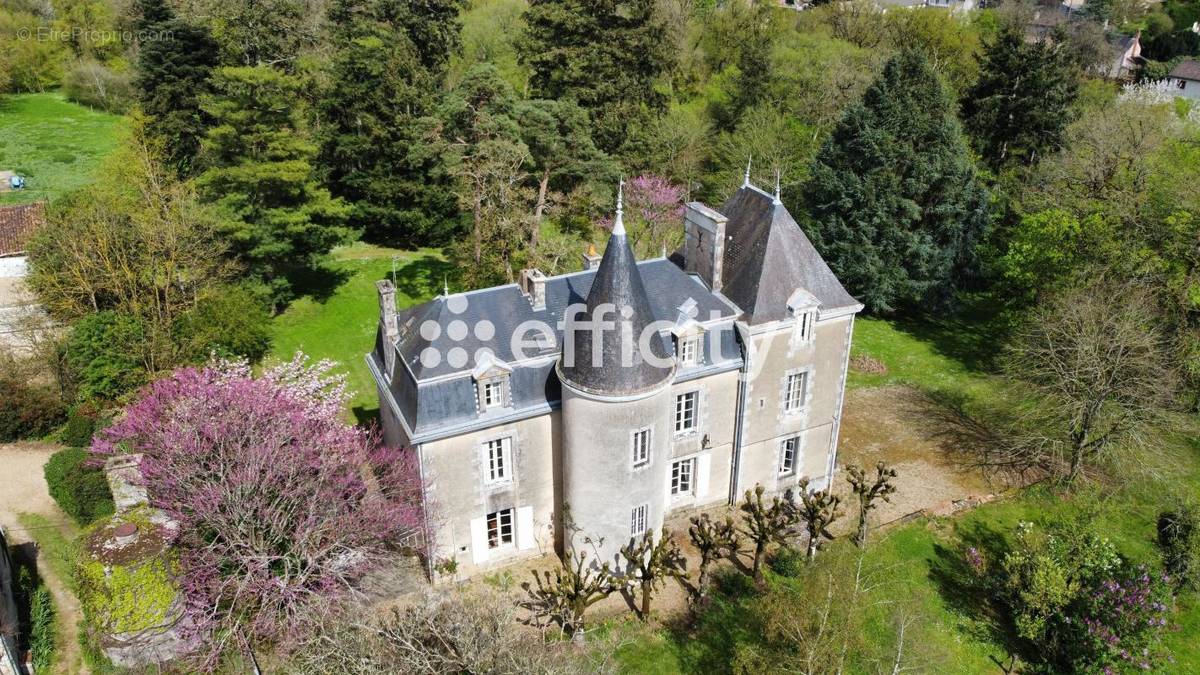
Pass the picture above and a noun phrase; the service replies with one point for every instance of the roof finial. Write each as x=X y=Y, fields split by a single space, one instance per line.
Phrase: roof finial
x=778 y=181
x=619 y=223
x=746 y=181
x=445 y=287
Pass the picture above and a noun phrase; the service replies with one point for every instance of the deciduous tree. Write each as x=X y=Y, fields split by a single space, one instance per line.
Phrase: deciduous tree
x=276 y=518
x=712 y=540
x=764 y=524
x=650 y=563
x=818 y=509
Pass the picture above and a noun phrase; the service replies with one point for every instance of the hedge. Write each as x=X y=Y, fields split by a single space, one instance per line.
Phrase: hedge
x=81 y=490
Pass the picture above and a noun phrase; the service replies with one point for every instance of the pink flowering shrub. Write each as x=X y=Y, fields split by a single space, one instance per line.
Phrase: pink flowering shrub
x=281 y=505
x=1069 y=602
x=653 y=213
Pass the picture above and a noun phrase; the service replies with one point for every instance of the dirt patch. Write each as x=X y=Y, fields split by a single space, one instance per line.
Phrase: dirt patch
x=25 y=492
x=862 y=363
x=885 y=424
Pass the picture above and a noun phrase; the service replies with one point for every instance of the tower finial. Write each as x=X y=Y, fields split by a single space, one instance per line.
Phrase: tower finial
x=778 y=189
x=445 y=287
x=746 y=181
x=619 y=222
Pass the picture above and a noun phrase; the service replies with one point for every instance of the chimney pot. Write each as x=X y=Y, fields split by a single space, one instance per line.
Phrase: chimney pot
x=591 y=259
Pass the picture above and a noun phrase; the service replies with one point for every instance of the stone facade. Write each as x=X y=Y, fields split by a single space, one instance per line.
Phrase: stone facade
x=753 y=397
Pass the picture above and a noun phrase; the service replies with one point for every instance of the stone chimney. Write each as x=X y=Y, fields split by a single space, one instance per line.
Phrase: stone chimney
x=533 y=284
x=704 y=243
x=124 y=481
x=591 y=259
x=387 y=322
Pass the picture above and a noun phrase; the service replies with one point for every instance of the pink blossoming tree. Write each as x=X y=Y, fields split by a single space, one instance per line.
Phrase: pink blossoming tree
x=281 y=506
x=653 y=215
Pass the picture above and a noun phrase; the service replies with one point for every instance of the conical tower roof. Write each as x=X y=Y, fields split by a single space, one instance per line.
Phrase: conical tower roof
x=605 y=358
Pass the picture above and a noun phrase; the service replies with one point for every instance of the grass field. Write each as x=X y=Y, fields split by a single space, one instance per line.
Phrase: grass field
x=944 y=358
x=341 y=326
x=56 y=145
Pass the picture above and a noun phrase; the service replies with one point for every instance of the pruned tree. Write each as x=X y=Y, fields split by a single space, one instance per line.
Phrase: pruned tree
x=1097 y=365
x=764 y=524
x=652 y=563
x=869 y=491
x=712 y=539
x=817 y=510
x=563 y=595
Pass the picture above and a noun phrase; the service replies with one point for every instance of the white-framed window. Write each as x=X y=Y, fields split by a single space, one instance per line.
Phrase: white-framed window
x=500 y=528
x=683 y=477
x=795 y=389
x=686 y=411
x=789 y=448
x=493 y=394
x=804 y=326
x=641 y=447
x=638 y=519
x=688 y=350
x=498 y=455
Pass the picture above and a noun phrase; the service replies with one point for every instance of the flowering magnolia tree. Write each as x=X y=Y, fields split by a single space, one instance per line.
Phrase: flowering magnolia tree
x=281 y=506
x=653 y=215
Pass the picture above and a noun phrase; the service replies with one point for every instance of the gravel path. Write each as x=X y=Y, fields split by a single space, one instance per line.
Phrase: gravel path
x=24 y=491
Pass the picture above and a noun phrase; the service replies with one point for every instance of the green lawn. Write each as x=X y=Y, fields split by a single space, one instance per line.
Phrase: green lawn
x=950 y=358
x=56 y=145
x=341 y=325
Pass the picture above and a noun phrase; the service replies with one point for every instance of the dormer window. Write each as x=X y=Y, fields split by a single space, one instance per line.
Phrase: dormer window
x=687 y=350
x=492 y=385
x=802 y=305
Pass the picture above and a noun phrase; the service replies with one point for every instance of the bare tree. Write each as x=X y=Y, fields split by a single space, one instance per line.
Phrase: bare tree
x=764 y=524
x=652 y=563
x=869 y=492
x=817 y=510
x=1098 y=366
x=474 y=632
x=712 y=540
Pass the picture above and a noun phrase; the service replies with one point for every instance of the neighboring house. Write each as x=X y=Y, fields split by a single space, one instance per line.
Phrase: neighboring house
x=1124 y=51
x=952 y=5
x=738 y=382
x=17 y=224
x=1185 y=79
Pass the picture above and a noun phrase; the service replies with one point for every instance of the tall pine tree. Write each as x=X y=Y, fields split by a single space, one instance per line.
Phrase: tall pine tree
x=259 y=172
x=175 y=60
x=1020 y=107
x=380 y=147
x=606 y=55
x=895 y=202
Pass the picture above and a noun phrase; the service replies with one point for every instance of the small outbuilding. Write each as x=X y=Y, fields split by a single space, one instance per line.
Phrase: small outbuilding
x=1185 y=78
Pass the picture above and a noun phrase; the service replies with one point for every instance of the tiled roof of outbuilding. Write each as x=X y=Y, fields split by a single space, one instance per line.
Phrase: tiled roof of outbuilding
x=17 y=224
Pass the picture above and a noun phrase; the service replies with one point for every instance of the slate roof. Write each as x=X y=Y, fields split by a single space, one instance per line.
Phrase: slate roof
x=617 y=295
x=17 y=224
x=504 y=308
x=1186 y=70
x=768 y=256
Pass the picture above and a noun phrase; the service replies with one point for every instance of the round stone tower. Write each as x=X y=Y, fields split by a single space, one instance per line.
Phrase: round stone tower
x=616 y=373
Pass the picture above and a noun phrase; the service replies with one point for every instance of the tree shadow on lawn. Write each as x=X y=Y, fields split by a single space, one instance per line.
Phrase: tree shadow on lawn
x=709 y=643
x=318 y=282
x=366 y=417
x=424 y=277
x=971 y=334
x=967 y=593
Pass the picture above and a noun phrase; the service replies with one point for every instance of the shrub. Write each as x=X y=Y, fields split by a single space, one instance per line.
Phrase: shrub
x=126 y=598
x=81 y=426
x=1075 y=604
x=27 y=410
x=41 y=629
x=102 y=350
x=1179 y=541
x=788 y=562
x=228 y=321
x=80 y=490
x=93 y=84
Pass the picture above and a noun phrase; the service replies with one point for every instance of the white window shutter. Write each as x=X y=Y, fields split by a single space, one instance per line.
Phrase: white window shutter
x=479 y=543
x=703 y=464
x=525 y=539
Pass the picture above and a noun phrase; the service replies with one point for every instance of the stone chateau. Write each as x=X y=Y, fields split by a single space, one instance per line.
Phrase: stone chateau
x=700 y=375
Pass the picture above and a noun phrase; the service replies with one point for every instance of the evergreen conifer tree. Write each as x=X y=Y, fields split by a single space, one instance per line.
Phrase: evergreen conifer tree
x=896 y=206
